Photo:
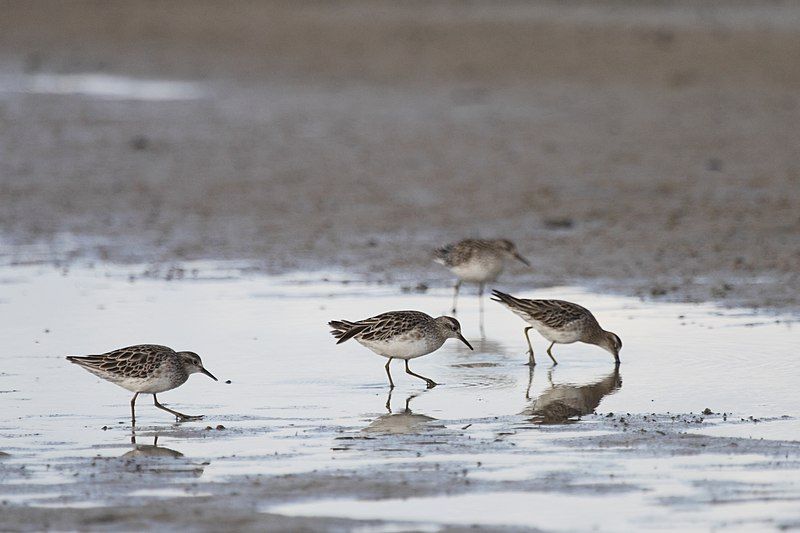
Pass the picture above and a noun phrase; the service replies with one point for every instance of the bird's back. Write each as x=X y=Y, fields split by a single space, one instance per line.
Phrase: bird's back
x=554 y=314
x=139 y=368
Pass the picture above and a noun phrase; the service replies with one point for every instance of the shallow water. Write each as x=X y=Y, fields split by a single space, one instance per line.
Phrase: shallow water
x=298 y=404
x=100 y=85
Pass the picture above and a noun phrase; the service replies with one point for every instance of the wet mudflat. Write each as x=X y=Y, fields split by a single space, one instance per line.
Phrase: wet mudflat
x=302 y=436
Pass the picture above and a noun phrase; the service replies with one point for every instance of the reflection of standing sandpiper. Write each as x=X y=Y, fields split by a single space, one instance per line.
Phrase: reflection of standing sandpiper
x=145 y=368
x=477 y=261
x=400 y=335
x=560 y=322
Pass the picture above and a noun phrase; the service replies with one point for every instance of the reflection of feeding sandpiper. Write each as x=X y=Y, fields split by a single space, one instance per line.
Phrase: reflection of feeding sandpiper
x=145 y=368
x=400 y=335
x=477 y=261
x=560 y=322
x=561 y=402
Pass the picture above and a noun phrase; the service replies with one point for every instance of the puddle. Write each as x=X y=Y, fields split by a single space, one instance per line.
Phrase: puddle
x=298 y=406
x=548 y=512
x=103 y=86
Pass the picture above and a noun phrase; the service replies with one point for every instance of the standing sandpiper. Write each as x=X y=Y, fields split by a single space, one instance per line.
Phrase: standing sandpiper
x=400 y=335
x=145 y=368
x=477 y=261
x=560 y=322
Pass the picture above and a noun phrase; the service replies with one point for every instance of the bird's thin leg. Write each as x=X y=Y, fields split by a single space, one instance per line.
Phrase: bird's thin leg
x=430 y=382
x=530 y=382
x=181 y=416
x=531 y=358
x=455 y=295
x=389 y=402
x=480 y=310
x=551 y=353
x=391 y=383
x=133 y=410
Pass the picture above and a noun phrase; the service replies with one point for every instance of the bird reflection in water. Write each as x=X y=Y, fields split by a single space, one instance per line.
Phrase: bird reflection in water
x=560 y=403
x=404 y=422
x=150 y=450
x=153 y=459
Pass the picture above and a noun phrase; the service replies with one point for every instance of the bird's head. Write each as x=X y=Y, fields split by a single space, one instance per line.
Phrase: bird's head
x=192 y=364
x=451 y=329
x=611 y=343
x=510 y=249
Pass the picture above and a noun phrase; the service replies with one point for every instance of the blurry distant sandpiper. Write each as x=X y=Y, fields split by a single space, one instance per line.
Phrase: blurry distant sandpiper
x=147 y=369
x=477 y=261
x=560 y=322
x=400 y=335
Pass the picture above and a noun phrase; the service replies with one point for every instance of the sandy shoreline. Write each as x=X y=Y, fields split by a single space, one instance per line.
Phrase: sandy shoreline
x=651 y=151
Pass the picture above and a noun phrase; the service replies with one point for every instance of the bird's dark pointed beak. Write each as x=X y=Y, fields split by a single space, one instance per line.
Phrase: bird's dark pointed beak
x=522 y=259
x=209 y=374
x=462 y=339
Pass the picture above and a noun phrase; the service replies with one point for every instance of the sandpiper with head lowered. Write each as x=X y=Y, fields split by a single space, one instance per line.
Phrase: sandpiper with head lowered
x=560 y=322
x=145 y=369
x=477 y=261
x=400 y=335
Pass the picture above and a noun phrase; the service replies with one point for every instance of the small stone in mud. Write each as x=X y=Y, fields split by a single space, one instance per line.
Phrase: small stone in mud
x=209 y=428
x=707 y=411
x=714 y=164
x=227 y=382
x=104 y=428
x=140 y=142
x=558 y=223
x=419 y=287
x=220 y=427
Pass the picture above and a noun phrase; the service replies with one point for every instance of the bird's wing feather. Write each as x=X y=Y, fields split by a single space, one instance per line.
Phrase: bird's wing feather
x=133 y=361
x=387 y=325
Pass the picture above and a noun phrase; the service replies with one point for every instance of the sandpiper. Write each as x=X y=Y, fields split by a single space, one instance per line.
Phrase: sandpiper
x=560 y=322
x=400 y=335
x=477 y=261
x=147 y=369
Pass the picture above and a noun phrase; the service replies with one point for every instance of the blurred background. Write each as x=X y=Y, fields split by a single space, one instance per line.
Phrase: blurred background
x=651 y=147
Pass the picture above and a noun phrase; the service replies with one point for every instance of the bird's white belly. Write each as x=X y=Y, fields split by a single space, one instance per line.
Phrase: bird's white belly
x=152 y=385
x=400 y=349
x=561 y=336
x=478 y=271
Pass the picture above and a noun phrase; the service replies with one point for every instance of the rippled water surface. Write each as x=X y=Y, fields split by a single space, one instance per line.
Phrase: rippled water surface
x=297 y=403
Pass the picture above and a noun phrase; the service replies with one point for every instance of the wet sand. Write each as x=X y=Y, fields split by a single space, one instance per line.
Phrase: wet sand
x=649 y=149
x=696 y=427
x=323 y=150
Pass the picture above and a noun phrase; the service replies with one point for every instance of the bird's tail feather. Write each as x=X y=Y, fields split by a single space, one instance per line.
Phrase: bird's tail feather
x=344 y=329
x=440 y=255
x=504 y=298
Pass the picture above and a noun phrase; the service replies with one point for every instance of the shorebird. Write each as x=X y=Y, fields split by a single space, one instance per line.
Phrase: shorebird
x=145 y=369
x=477 y=261
x=400 y=335
x=560 y=322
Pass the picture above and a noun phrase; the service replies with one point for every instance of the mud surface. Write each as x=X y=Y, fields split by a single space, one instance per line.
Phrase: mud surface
x=643 y=148
x=697 y=428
